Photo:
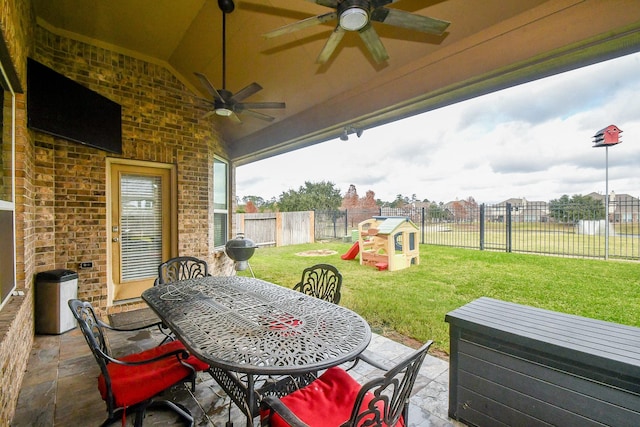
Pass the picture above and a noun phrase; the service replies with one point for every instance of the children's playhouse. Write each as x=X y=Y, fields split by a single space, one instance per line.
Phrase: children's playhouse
x=388 y=242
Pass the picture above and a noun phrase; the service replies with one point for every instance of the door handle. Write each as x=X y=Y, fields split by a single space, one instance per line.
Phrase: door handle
x=115 y=239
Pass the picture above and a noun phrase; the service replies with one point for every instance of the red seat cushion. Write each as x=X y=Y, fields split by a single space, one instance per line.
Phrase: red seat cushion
x=326 y=402
x=134 y=384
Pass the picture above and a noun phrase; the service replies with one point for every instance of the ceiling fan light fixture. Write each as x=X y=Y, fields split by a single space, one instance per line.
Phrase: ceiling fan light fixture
x=354 y=18
x=224 y=112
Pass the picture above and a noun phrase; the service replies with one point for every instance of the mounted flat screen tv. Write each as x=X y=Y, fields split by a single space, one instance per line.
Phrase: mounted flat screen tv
x=64 y=108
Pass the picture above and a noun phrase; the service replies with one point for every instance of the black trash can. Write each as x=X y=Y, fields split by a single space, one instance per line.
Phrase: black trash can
x=53 y=289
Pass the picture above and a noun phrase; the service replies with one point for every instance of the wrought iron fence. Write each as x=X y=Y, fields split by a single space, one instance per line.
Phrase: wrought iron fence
x=528 y=227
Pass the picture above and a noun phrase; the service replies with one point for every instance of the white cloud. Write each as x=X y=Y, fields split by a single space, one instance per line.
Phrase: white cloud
x=532 y=141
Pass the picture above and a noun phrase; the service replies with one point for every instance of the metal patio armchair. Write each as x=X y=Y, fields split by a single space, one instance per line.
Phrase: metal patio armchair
x=335 y=399
x=180 y=268
x=130 y=383
x=321 y=281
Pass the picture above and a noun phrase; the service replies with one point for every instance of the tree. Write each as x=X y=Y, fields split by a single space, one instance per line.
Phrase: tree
x=577 y=207
x=321 y=196
x=250 y=207
x=256 y=200
x=399 y=202
x=350 y=200
x=437 y=212
x=369 y=201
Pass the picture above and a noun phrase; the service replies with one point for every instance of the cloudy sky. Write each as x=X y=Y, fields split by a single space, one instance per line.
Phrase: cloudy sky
x=532 y=141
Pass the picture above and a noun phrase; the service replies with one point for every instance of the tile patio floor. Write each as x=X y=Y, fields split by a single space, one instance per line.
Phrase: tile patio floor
x=60 y=387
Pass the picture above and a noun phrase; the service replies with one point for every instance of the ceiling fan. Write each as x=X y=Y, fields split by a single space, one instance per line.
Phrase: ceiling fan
x=225 y=103
x=356 y=15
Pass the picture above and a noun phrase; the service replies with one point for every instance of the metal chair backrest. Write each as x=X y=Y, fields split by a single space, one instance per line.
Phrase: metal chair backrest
x=94 y=333
x=180 y=268
x=391 y=393
x=321 y=281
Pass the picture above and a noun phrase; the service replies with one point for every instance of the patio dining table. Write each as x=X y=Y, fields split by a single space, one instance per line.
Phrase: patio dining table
x=259 y=338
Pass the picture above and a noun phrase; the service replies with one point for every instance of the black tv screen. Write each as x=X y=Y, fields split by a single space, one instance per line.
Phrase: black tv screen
x=62 y=107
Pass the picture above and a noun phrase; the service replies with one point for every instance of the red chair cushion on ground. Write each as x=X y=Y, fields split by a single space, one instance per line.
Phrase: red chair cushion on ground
x=326 y=402
x=134 y=384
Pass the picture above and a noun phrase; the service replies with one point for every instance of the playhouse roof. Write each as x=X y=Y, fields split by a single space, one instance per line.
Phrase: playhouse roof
x=390 y=224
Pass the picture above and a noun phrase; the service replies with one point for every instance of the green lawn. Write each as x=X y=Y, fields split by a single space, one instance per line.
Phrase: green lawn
x=414 y=301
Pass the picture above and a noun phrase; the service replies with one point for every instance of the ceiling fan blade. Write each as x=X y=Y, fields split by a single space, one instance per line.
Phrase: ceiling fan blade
x=258 y=115
x=209 y=114
x=269 y=105
x=399 y=18
x=245 y=92
x=327 y=3
x=305 y=23
x=207 y=84
x=331 y=45
x=374 y=44
x=234 y=117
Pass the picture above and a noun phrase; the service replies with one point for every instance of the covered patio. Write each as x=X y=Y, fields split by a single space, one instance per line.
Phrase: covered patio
x=60 y=200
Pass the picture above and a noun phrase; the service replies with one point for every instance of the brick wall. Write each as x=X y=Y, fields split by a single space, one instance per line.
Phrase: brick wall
x=162 y=122
x=16 y=317
x=16 y=336
x=60 y=200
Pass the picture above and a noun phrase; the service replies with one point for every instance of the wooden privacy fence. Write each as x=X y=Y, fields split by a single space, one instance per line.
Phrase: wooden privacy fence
x=276 y=228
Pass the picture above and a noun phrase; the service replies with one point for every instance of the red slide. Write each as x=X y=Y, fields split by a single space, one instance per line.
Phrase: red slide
x=352 y=252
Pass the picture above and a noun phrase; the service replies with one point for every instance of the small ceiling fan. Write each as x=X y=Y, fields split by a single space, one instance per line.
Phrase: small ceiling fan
x=356 y=15
x=225 y=103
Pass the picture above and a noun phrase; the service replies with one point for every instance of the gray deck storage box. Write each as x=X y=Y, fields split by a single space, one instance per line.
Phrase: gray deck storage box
x=515 y=365
x=52 y=290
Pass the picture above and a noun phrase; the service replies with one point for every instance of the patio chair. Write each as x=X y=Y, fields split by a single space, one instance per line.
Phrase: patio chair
x=180 y=268
x=172 y=270
x=129 y=383
x=321 y=281
x=335 y=399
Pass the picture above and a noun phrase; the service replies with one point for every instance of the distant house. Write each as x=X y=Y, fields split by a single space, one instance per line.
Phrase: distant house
x=522 y=210
x=622 y=207
x=462 y=210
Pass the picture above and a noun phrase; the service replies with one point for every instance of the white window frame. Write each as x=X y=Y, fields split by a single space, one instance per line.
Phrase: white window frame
x=220 y=200
x=9 y=205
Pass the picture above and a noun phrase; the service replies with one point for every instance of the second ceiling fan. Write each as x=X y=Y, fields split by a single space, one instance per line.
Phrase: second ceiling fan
x=356 y=15
x=226 y=103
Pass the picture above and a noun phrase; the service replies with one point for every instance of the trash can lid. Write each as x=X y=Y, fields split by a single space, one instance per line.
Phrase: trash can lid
x=60 y=275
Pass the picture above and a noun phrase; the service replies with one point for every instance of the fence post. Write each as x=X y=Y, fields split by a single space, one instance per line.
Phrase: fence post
x=508 y=227
x=346 y=222
x=423 y=224
x=482 y=227
x=279 y=233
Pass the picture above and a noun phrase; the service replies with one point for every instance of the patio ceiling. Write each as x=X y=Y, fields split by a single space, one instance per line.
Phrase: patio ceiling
x=490 y=44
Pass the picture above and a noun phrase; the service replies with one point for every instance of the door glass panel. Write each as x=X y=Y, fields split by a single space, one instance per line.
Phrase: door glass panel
x=141 y=226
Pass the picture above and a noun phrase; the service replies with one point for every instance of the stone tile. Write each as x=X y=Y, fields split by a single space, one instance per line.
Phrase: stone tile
x=47 y=342
x=83 y=366
x=42 y=367
x=72 y=397
x=433 y=398
x=36 y=405
x=72 y=345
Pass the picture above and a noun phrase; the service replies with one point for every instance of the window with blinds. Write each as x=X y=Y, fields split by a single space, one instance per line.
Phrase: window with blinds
x=141 y=226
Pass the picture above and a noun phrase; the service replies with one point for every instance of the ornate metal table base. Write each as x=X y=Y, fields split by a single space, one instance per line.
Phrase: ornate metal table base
x=245 y=390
